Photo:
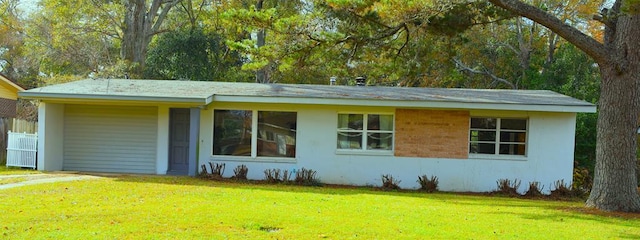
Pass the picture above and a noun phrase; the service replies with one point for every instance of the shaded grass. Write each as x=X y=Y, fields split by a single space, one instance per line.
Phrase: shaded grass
x=12 y=180
x=152 y=207
x=4 y=170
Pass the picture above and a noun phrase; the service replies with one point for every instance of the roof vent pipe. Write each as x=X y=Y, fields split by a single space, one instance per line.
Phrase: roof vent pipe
x=361 y=81
x=332 y=81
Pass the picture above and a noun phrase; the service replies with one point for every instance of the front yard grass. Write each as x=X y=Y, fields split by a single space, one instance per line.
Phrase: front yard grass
x=4 y=170
x=157 y=207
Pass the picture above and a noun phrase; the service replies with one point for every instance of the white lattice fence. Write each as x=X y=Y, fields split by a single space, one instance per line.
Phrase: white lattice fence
x=22 y=149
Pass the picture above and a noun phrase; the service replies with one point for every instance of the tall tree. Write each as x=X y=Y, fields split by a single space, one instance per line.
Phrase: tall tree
x=192 y=54
x=618 y=57
x=268 y=27
x=72 y=37
x=142 y=20
x=11 y=38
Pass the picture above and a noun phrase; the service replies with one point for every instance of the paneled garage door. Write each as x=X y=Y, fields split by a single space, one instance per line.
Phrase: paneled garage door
x=110 y=138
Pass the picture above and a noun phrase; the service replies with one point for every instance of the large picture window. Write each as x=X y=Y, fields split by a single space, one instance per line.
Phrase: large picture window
x=254 y=133
x=498 y=136
x=365 y=131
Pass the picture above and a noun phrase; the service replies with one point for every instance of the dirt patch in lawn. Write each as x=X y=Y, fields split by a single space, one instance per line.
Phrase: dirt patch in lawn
x=18 y=180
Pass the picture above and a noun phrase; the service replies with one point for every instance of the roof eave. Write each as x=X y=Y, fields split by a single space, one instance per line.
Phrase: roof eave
x=12 y=84
x=583 y=108
x=58 y=97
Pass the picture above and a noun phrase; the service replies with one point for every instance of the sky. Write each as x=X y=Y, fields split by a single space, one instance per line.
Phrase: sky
x=27 y=6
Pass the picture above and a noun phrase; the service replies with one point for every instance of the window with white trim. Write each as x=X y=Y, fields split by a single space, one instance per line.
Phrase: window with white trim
x=365 y=132
x=254 y=133
x=498 y=136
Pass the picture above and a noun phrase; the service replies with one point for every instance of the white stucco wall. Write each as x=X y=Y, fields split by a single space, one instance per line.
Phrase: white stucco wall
x=162 y=149
x=550 y=152
x=50 y=136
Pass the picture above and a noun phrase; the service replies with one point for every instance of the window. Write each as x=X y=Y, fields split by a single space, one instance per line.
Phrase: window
x=277 y=134
x=232 y=132
x=498 y=136
x=254 y=133
x=365 y=131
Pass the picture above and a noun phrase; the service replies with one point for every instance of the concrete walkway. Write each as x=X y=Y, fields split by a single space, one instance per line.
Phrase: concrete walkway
x=32 y=179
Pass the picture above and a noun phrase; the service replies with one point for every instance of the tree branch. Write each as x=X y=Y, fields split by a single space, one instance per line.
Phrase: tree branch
x=406 y=39
x=462 y=67
x=584 y=42
x=165 y=10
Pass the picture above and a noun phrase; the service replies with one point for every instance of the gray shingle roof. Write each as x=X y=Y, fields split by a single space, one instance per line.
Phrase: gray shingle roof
x=168 y=91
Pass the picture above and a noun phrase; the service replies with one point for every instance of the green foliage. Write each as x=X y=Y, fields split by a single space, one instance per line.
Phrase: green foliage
x=195 y=55
x=631 y=7
x=576 y=75
x=73 y=37
x=582 y=180
x=462 y=16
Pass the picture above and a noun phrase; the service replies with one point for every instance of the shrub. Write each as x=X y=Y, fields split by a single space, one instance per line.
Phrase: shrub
x=240 y=172
x=582 y=180
x=508 y=187
x=203 y=173
x=389 y=183
x=428 y=184
x=272 y=175
x=217 y=169
x=307 y=177
x=534 y=190
x=286 y=176
x=563 y=190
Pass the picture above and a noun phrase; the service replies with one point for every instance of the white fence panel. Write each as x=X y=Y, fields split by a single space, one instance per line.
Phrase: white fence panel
x=22 y=149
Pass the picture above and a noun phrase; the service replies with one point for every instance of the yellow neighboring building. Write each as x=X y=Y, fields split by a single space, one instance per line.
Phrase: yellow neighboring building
x=8 y=97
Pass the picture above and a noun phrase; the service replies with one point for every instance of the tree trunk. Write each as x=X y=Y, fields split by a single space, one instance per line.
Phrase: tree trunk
x=262 y=75
x=615 y=186
x=133 y=50
x=615 y=183
x=140 y=25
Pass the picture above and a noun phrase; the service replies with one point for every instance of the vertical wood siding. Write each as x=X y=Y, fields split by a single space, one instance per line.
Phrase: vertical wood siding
x=110 y=138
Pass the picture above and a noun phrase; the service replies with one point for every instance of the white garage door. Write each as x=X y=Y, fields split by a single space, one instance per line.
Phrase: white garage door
x=110 y=138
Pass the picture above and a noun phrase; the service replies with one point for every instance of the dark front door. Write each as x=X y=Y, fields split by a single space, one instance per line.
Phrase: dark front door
x=179 y=141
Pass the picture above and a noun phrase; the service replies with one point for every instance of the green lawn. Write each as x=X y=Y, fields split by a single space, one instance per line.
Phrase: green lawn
x=154 y=207
x=4 y=170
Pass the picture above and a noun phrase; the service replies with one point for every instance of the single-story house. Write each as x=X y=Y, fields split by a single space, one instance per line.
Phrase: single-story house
x=468 y=138
x=8 y=97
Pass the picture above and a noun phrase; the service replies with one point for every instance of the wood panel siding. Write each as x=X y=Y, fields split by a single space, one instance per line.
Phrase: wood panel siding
x=110 y=138
x=8 y=92
x=432 y=133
